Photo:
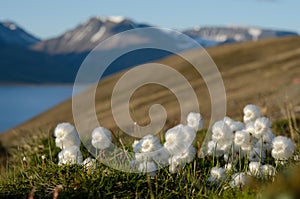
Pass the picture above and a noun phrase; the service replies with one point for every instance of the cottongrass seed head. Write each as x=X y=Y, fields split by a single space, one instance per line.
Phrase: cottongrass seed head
x=217 y=174
x=251 y=113
x=66 y=135
x=222 y=133
x=282 y=148
x=70 y=155
x=101 y=138
x=195 y=121
x=254 y=169
x=178 y=139
x=261 y=126
x=149 y=143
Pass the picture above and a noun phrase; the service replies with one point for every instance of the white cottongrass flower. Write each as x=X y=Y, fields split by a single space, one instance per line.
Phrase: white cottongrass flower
x=89 y=164
x=101 y=138
x=234 y=125
x=283 y=148
x=70 y=155
x=267 y=170
x=261 y=126
x=187 y=156
x=178 y=139
x=222 y=133
x=177 y=162
x=66 y=135
x=254 y=168
x=241 y=138
x=217 y=174
x=195 y=121
x=242 y=143
x=148 y=148
x=238 y=179
x=149 y=143
x=251 y=113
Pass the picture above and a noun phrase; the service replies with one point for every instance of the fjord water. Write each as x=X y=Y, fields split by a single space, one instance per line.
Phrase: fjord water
x=19 y=103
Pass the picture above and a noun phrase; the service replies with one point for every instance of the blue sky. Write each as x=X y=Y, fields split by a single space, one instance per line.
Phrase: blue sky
x=47 y=19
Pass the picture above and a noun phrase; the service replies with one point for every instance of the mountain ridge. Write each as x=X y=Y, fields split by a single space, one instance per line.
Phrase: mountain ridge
x=64 y=54
x=11 y=33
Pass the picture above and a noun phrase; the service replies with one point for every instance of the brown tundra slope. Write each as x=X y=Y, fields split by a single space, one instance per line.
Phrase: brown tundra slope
x=266 y=73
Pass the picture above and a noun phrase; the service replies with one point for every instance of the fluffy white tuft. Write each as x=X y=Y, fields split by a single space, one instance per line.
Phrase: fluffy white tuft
x=222 y=133
x=70 y=155
x=217 y=174
x=178 y=139
x=254 y=168
x=251 y=112
x=101 y=138
x=149 y=143
x=261 y=126
x=267 y=170
x=241 y=138
x=195 y=121
x=66 y=136
x=283 y=148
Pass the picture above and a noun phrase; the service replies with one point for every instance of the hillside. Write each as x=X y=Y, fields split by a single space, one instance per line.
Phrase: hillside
x=265 y=73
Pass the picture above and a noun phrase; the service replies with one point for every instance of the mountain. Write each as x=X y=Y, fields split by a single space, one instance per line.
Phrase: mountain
x=265 y=73
x=223 y=35
x=11 y=33
x=87 y=35
x=20 y=64
x=73 y=46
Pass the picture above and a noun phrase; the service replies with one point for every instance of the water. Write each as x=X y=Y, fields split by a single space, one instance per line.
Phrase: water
x=20 y=103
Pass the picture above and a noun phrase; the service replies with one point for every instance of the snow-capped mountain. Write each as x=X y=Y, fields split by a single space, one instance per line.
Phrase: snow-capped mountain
x=87 y=35
x=12 y=34
x=222 y=35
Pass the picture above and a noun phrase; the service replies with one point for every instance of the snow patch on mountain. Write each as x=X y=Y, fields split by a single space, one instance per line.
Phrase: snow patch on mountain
x=116 y=19
x=255 y=32
x=97 y=36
